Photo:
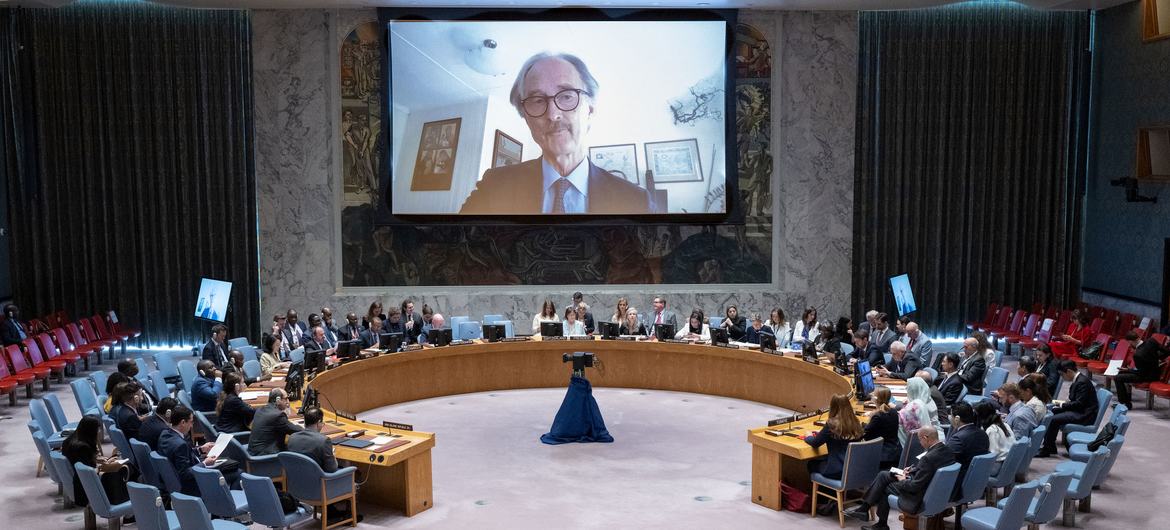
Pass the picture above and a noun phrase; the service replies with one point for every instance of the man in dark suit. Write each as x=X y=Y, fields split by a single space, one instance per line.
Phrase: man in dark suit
x=973 y=367
x=311 y=443
x=880 y=339
x=154 y=425
x=554 y=93
x=11 y=330
x=371 y=336
x=270 y=425
x=661 y=315
x=206 y=387
x=1148 y=356
x=950 y=384
x=910 y=486
x=216 y=350
x=393 y=323
x=903 y=365
x=412 y=322
x=293 y=331
x=172 y=444
x=330 y=326
x=352 y=330
x=1080 y=409
x=966 y=439
x=236 y=365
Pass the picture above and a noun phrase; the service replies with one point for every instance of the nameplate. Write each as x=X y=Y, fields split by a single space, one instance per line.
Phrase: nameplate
x=776 y=421
x=412 y=347
x=726 y=345
x=346 y=415
x=554 y=338
x=580 y=337
x=677 y=341
x=627 y=338
x=461 y=342
x=399 y=426
x=515 y=339
x=769 y=350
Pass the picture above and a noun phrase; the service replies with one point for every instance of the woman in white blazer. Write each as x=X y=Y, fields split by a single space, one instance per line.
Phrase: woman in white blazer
x=780 y=327
x=806 y=329
x=695 y=329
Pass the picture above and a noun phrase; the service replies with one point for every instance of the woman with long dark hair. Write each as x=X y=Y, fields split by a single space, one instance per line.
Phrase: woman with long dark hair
x=999 y=436
x=82 y=446
x=1066 y=345
x=695 y=329
x=806 y=329
x=231 y=413
x=841 y=429
x=548 y=313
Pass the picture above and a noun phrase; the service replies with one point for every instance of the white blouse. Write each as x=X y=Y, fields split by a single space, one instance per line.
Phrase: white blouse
x=999 y=442
x=705 y=336
x=537 y=319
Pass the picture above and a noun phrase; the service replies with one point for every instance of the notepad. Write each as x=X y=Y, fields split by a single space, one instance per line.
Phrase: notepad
x=221 y=443
x=379 y=440
x=253 y=394
x=1114 y=367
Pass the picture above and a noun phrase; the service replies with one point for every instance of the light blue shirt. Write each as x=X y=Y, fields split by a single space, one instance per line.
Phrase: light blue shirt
x=576 y=197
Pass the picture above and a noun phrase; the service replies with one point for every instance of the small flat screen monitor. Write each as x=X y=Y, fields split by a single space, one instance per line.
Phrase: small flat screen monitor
x=719 y=336
x=864 y=379
x=664 y=331
x=552 y=329
x=439 y=337
x=903 y=296
x=213 y=299
x=348 y=348
x=494 y=332
x=390 y=341
x=767 y=341
x=315 y=361
x=609 y=330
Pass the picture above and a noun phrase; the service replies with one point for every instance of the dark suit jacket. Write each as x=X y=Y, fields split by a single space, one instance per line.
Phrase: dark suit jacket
x=950 y=387
x=316 y=446
x=346 y=332
x=235 y=416
x=127 y=420
x=1051 y=374
x=884 y=425
x=183 y=457
x=269 y=427
x=753 y=336
x=835 y=462
x=906 y=368
x=1146 y=359
x=967 y=442
x=972 y=370
x=911 y=490
x=204 y=393
x=290 y=331
x=519 y=189
x=738 y=329
x=9 y=333
x=1082 y=400
x=230 y=368
x=412 y=334
x=216 y=353
x=369 y=339
x=312 y=346
x=882 y=343
x=150 y=430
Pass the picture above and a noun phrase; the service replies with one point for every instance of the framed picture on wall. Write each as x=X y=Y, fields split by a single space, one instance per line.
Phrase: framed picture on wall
x=507 y=150
x=621 y=160
x=674 y=161
x=435 y=162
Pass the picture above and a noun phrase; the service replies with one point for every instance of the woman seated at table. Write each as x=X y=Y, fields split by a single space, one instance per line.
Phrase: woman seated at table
x=780 y=327
x=270 y=357
x=999 y=437
x=735 y=324
x=806 y=329
x=1079 y=334
x=548 y=313
x=573 y=327
x=632 y=325
x=883 y=423
x=841 y=429
x=82 y=446
x=827 y=340
x=753 y=331
x=619 y=314
x=232 y=414
x=695 y=329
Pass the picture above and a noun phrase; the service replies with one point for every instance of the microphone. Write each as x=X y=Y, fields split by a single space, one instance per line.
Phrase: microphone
x=330 y=403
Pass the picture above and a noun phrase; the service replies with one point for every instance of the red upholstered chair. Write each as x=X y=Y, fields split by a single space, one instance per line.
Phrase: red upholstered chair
x=1096 y=326
x=1001 y=320
x=9 y=382
x=22 y=369
x=51 y=352
x=120 y=327
x=85 y=351
x=1013 y=327
x=92 y=336
x=33 y=350
x=1103 y=339
x=1062 y=321
x=1121 y=352
x=988 y=317
x=1038 y=308
x=1124 y=324
x=1110 y=321
x=1052 y=312
x=1027 y=333
x=80 y=341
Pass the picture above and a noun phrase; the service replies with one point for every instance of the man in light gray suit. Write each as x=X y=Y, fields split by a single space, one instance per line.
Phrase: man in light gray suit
x=270 y=425
x=918 y=344
x=881 y=336
x=662 y=315
x=870 y=320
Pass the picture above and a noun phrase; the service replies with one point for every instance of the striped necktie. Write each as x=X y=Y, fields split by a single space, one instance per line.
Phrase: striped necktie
x=559 y=187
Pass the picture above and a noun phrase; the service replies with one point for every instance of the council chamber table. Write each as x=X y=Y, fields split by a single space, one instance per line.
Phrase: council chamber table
x=401 y=477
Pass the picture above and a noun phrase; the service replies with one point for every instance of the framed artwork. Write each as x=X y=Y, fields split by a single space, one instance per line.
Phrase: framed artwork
x=674 y=161
x=621 y=160
x=507 y=150
x=435 y=162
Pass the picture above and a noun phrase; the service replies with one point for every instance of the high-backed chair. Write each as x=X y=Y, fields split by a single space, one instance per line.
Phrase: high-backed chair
x=100 y=380
x=145 y=465
x=252 y=369
x=318 y=488
x=1010 y=516
x=221 y=500
x=1104 y=397
x=974 y=483
x=996 y=377
x=84 y=351
x=1081 y=486
x=1080 y=456
x=37 y=358
x=53 y=353
x=911 y=449
x=159 y=383
x=263 y=465
x=57 y=414
x=264 y=504
x=166 y=473
x=98 y=502
x=40 y=416
x=165 y=362
x=861 y=466
x=10 y=381
x=187 y=374
x=143 y=372
x=43 y=452
x=453 y=322
x=149 y=513
x=468 y=330
x=1119 y=419
x=1046 y=506
x=1011 y=467
x=121 y=443
x=237 y=342
x=62 y=473
x=937 y=496
x=492 y=319
x=22 y=369
x=87 y=399
x=193 y=515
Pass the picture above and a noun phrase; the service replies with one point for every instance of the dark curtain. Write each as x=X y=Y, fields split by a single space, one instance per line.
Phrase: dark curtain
x=970 y=171
x=127 y=138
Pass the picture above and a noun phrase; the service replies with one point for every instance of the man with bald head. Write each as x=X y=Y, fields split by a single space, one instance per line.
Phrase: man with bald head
x=910 y=485
x=557 y=97
x=437 y=322
x=917 y=343
x=903 y=364
x=270 y=425
x=973 y=367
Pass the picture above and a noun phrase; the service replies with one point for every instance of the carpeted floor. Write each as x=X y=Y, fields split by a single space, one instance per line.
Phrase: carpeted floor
x=678 y=460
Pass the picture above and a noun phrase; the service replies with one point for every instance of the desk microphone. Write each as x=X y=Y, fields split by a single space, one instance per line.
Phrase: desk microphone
x=335 y=420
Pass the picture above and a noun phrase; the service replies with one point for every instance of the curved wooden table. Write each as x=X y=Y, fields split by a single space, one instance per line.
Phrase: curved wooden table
x=402 y=478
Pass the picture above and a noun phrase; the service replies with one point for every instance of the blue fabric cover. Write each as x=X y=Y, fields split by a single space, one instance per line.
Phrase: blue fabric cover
x=579 y=419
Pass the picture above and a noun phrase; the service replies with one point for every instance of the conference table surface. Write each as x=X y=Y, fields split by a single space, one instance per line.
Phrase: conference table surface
x=400 y=476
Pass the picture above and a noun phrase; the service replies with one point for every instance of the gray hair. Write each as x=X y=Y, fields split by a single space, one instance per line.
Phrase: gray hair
x=591 y=86
x=897 y=345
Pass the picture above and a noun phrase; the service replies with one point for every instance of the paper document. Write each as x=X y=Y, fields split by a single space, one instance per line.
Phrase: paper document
x=380 y=440
x=221 y=443
x=1114 y=367
x=253 y=394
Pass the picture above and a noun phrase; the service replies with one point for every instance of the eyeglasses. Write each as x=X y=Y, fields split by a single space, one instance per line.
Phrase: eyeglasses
x=566 y=100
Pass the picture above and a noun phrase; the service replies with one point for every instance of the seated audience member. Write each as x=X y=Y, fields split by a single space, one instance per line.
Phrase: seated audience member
x=270 y=425
x=375 y=311
x=157 y=422
x=780 y=327
x=757 y=327
x=1030 y=392
x=585 y=317
x=1148 y=355
x=1021 y=418
x=917 y=343
x=270 y=357
x=127 y=373
x=632 y=325
x=1027 y=366
x=231 y=413
x=427 y=315
x=572 y=326
x=1066 y=345
x=412 y=322
x=844 y=329
x=371 y=336
x=206 y=388
x=293 y=330
x=215 y=350
x=918 y=411
x=352 y=330
x=437 y=322
x=883 y=423
x=900 y=328
x=999 y=437
x=126 y=398
x=1080 y=409
x=910 y=486
x=619 y=312
x=806 y=329
x=940 y=404
x=826 y=340
x=950 y=384
x=314 y=321
x=841 y=429
x=862 y=350
x=311 y=443
x=329 y=325
x=735 y=324
x=236 y=366
x=393 y=323
x=695 y=329
x=985 y=348
x=548 y=313
x=903 y=363
x=881 y=336
x=12 y=330
x=82 y=446
x=966 y=439
x=1047 y=366
x=973 y=367
x=172 y=444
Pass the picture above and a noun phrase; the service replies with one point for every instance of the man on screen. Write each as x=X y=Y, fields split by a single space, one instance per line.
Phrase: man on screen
x=554 y=93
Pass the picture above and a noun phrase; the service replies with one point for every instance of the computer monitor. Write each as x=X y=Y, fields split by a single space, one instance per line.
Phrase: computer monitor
x=494 y=332
x=609 y=330
x=212 y=301
x=439 y=337
x=903 y=295
x=664 y=331
x=767 y=341
x=315 y=361
x=863 y=379
x=390 y=341
x=347 y=349
x=552 y=329
x=719 y=336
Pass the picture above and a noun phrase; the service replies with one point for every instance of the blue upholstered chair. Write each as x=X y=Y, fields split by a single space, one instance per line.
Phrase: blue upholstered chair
x=1011 y=467
x=1010 y=516
x=1119 y=419
x=221 y=500
x=62 y=471
x=252 y=369
x=184 y=397
x=87 y=399
x=468 y=330
x=937 y=496
x=187 y=373
x=250 y=353
x=1104 y=397
x=492 y=319
x=121 y=443
x=974 y=482
x=149 y=513
x=237 y=343
x=316 y=487
x=145 y=465
x=1046 y=506
x=861 y=466
x=715 y=321
x=264 y=504
x=143 y=373
x=57 y=414
x=996 y=377
x=910 y=450
x=453 y=322
x=99 y=380
x=166 y=473
x=98 y=502
x=262 y=465
x=1081 y=487
x=165 y=362
x=160 y=386
x=508 y=331
x=44 y=423
x=193 y=515
x=1080 y=455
